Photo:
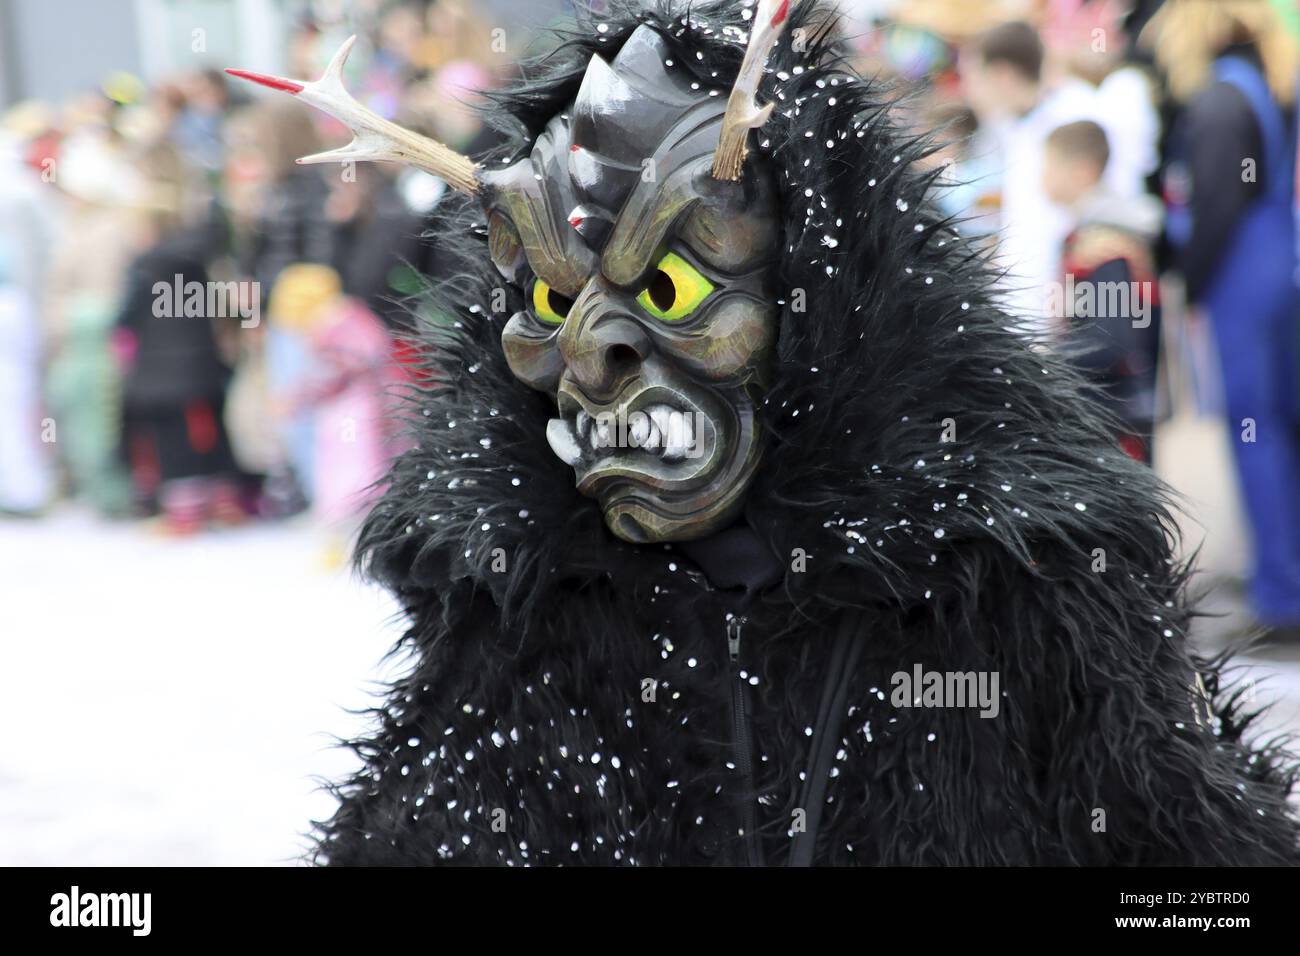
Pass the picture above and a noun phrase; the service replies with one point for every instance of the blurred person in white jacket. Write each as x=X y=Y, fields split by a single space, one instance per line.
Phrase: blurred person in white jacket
x=1086 y=41
x=1002 y=78
x=26 y=235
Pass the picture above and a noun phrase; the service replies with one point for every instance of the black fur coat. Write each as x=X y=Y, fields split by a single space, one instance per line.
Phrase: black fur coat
x=931 y=486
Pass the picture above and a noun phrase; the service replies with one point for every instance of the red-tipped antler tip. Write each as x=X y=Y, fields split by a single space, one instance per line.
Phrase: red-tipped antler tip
x=782 y=11
x=274 y=82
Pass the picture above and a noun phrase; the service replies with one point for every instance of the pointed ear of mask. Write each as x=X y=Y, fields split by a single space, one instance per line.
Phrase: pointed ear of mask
x=374 y=138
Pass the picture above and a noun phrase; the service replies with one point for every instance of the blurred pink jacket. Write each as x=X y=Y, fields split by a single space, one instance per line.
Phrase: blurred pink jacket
x=350 y=396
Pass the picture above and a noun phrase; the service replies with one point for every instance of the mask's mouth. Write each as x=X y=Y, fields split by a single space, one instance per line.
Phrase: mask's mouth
x=667 y=459
x=668 y=432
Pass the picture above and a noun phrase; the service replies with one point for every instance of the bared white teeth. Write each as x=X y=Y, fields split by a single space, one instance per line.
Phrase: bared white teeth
x=658 y=429
x=679 y=437
x=563 y=440
x=639 y=430
x=672 y=432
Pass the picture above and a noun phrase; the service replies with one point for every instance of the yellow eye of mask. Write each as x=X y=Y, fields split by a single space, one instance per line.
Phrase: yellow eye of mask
x=548 y=305
x=675 y=291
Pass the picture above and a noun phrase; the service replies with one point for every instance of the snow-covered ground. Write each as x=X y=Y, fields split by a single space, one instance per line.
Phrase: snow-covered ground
x=172 y=702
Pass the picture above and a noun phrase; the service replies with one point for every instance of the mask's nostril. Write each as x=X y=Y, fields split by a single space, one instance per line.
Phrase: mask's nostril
x=622 y=357
x=603 y=353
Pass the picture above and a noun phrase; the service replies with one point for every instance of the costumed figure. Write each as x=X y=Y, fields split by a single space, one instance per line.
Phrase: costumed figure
x=741 y=527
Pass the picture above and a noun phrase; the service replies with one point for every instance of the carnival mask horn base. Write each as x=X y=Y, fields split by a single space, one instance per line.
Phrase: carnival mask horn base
x=643 y=238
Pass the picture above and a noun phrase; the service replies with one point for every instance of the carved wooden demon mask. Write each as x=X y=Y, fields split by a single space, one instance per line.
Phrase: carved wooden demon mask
x=643 y=240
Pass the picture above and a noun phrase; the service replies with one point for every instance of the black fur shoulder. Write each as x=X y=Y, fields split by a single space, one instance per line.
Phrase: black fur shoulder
x=943 y=481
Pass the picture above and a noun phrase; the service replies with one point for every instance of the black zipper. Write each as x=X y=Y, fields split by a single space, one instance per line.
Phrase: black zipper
x=742 y=741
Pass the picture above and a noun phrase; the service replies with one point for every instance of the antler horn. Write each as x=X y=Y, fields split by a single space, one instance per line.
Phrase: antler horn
x=743 y=112
x=374 y=138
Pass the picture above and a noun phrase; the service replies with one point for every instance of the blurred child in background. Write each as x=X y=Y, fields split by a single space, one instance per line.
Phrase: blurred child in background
x=291 y=226
x=969 y=189
x=346 y=388
x=1004 y=81
x=176 y=382
x=1107 y=303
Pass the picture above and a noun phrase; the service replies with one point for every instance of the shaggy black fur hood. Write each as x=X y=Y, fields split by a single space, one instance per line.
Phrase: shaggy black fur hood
x=930 y=483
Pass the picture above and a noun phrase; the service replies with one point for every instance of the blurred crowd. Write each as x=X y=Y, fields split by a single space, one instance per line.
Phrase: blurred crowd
x=198 y=330
x=1131 y=164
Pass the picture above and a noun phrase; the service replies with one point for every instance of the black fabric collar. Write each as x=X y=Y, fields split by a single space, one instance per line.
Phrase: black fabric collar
x=735 y=559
